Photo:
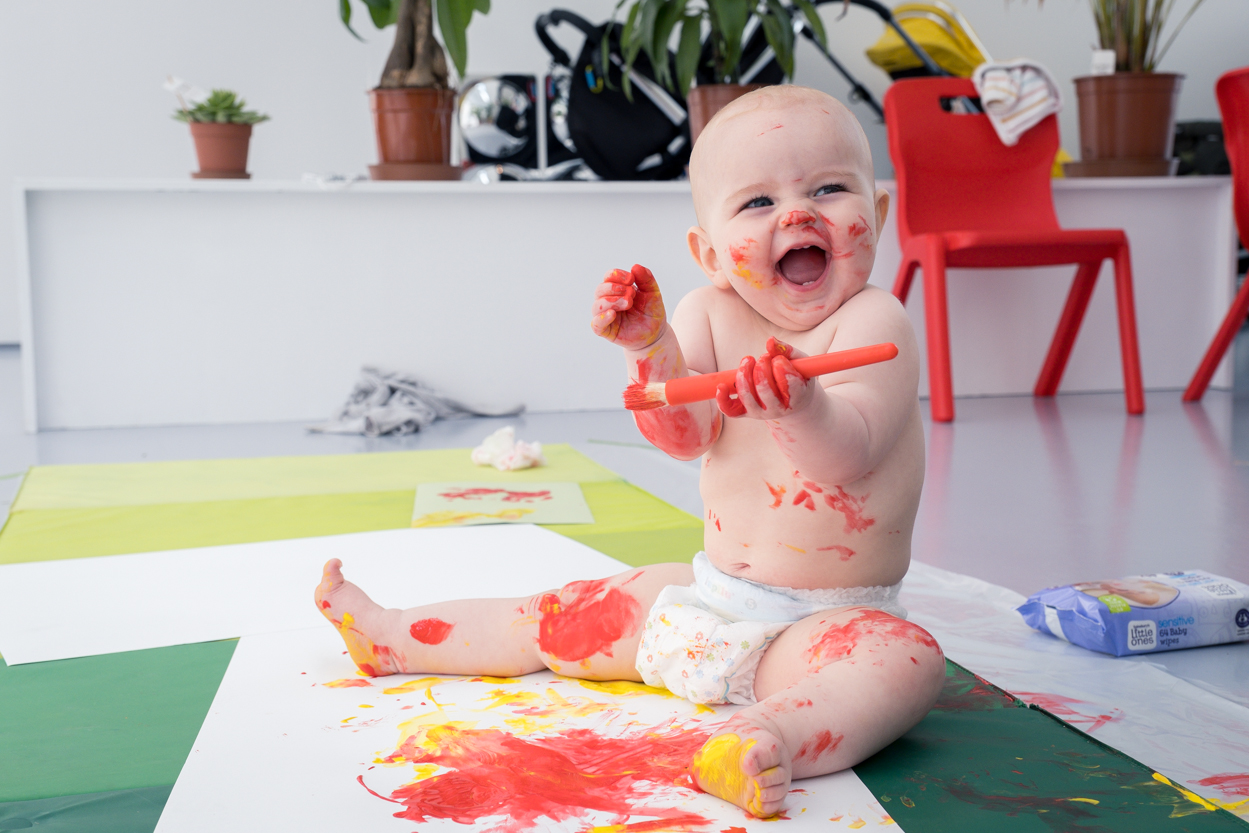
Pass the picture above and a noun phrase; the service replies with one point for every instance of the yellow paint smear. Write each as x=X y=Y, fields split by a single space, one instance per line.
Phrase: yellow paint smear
x=624 y=688
x=856 y=824
x=795 y=549
x=887 y=820
x=412 y=685
x=451 y=517
x=364 y=706
x=1189 y=794
x=718 y=770
x=1084 y=800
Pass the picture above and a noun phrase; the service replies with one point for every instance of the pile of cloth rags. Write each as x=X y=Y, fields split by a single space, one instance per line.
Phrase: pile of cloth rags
x=392 y=402
x=1016 y=96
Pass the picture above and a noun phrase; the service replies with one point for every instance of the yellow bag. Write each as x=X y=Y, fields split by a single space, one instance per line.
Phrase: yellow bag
x=939 y=30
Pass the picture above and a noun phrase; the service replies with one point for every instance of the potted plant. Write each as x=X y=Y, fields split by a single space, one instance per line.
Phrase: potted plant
x=413 y=103
x=221 y=128
x=1127 y=118
x=651 y=24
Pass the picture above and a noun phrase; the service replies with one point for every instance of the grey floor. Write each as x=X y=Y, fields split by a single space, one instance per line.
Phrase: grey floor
x=1020 y=492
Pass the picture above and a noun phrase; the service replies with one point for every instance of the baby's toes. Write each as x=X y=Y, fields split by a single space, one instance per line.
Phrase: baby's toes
x=772 y=786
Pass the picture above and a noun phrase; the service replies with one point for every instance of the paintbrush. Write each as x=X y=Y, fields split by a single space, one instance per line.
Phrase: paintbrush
x=643 y=396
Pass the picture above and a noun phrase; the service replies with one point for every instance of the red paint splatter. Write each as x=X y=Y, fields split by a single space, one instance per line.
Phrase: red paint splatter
x=797 y=218
x=509 y=495
x=845 y=552
x=674 y=430
x=430 y=631
x=556 y=778
x=812 y=486
x=839 y=641
x=582 y=620
x=778 y=492
x=350 y=682
x=819 y=743
x=914 y=660
x=1064 y=707
x=718 y=525
x=1228 y=783
x=804 y=498
x=734 y=829
x=852 y=507
x=325 y=605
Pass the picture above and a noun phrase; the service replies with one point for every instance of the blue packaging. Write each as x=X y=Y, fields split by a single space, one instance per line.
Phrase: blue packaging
x=1143 y=614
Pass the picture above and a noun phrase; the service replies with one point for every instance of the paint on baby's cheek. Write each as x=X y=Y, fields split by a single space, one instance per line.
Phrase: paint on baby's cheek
x=583 y=620
x=430 y=631
x=741 y=256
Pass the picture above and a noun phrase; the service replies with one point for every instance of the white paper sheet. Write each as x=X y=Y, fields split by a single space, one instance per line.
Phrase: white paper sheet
x=282 y=752
x=88 y=606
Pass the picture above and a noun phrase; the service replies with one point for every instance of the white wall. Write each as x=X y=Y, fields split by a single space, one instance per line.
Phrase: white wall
x=80 y=81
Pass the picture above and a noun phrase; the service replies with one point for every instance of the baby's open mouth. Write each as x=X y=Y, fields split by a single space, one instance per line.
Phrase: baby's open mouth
x=803 y=266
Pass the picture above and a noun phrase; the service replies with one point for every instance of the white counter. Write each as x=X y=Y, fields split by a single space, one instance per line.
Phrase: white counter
x=191 y=302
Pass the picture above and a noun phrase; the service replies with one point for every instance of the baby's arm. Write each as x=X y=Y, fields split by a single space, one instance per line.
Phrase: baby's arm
x=629 y=311
x=837 y=428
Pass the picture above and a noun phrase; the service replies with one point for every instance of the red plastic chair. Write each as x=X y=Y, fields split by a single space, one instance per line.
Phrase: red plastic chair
x=966 y=200
x=1233 y=93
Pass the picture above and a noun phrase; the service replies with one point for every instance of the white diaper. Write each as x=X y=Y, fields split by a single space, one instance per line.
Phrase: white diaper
x=704 y=642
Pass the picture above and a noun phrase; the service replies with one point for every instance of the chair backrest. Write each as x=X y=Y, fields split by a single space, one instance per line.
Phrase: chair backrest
x=954 y=173
x=1232 y=90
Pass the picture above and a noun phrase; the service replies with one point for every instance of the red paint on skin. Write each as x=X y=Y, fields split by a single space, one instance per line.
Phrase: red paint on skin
x=430 y=631
x=557 y=778
x=509 y=496
x=914 y=660
x=582 y=620
x=797 y=218
x=325 y=605
x=845 y=552
x=1228 y=783
x=804 y=498
x=839 y=641
x=778 y=492
x=818 y=744
x=674 y=430
x=812 y=486
x=852 y=507
x=718 y=525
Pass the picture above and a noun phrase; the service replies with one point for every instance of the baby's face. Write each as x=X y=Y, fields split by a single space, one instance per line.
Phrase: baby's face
x=788 y=209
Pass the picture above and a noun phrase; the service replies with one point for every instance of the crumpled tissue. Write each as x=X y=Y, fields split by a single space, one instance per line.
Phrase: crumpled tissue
x=503 y=451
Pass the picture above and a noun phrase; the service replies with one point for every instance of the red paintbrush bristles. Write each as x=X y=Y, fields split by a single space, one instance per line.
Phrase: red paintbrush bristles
x=641 y=396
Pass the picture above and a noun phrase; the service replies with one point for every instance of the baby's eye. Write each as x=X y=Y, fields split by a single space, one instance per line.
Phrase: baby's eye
x=758 y=202
x=830 y=189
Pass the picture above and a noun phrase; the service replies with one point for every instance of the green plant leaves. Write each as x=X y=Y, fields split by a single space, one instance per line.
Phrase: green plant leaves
x=221 y=107
x=453 y=19
x=689 y=48
x=813 y=20
x=778 y=28
x=728 y=24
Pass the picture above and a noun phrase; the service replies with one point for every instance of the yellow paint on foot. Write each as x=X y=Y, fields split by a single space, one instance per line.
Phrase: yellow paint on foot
x=717 y=768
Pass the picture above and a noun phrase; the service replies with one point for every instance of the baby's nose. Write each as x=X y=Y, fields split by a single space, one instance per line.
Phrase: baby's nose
x=797 y=218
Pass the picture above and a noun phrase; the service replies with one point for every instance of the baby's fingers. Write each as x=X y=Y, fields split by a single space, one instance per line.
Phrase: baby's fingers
x=787 y=379
x=644 y=278
x=729 y=406
x=765 y=382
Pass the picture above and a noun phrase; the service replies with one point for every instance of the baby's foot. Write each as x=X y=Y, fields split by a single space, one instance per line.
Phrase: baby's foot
x=745 y=764
x=356 y=616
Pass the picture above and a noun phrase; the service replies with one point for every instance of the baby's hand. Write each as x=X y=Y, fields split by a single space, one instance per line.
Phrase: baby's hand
x=768 y=387
x=628 y=309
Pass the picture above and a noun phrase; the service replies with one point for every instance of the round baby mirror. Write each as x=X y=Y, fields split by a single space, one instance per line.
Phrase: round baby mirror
x=495 y=118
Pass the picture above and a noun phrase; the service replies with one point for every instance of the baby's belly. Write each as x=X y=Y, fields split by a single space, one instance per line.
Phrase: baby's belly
x=768 y=524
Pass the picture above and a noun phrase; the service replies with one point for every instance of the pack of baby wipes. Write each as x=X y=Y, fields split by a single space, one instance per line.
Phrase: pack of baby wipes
x=1143 y=614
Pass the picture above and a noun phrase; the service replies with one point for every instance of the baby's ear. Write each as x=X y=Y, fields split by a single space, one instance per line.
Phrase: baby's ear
x=704 y=255
x=882 y=211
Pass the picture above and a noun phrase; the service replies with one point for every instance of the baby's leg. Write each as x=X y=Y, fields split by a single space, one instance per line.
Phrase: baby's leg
x=587 y=629
x=833 y=689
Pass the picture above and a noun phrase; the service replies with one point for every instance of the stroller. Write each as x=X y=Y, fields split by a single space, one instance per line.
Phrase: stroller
x=648 y=137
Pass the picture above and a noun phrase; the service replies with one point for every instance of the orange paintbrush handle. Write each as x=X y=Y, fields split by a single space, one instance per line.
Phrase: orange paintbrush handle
x=700 y=388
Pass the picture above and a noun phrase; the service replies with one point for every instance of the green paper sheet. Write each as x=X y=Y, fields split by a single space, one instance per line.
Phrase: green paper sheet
x=475 y=503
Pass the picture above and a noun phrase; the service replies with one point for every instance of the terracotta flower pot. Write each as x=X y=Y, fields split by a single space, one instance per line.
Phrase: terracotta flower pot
x=1127 y=124
x=221 y=150
x=413 y=127
x=706 y=100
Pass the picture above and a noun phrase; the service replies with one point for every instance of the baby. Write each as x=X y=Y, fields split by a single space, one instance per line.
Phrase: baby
x=810 y=486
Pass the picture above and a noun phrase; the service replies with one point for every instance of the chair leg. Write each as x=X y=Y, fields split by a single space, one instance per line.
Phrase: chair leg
x=1222 y=340
x=902 y=283
x=1133 y=389
x=937 y=324
x=1068 y=328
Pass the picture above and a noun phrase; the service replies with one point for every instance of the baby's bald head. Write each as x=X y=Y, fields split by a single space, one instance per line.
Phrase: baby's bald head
x=743 y=118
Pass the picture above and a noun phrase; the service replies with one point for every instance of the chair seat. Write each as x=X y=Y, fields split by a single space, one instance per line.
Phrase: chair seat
x=1007 y=249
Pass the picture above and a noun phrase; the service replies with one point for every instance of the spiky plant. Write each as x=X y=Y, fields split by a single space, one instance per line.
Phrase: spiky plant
x=1133 y=29
x=651 y=24
x=221 y=107
x=417 y=59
